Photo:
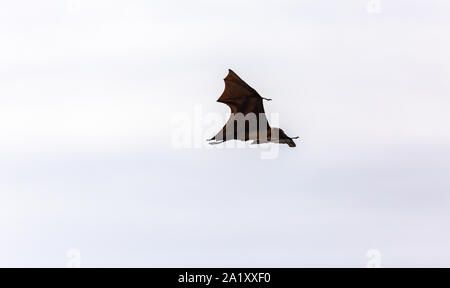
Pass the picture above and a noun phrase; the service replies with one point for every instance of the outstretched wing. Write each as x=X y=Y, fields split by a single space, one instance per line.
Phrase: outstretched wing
x=240 y=96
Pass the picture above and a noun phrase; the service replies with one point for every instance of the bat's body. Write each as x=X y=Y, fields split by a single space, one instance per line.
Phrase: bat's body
x=248 y=120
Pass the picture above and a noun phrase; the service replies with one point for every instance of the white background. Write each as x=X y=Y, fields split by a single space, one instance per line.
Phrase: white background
x=89 y=91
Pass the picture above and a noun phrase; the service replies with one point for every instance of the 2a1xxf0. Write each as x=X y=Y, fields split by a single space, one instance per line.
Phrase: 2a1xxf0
x=246 y=277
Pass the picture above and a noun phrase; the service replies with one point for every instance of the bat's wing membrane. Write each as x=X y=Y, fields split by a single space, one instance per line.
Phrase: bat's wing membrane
x=240 y=96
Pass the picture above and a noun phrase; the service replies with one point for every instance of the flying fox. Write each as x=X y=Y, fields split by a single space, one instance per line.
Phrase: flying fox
x=247 y=120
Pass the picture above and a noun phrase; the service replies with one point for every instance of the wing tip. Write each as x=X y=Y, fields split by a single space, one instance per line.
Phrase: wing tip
x=230 y=72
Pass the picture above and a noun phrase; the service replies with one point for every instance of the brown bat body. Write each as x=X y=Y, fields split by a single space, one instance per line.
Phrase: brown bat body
x=247 y=120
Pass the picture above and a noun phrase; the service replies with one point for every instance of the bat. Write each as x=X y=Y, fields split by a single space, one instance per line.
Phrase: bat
x=247 y=120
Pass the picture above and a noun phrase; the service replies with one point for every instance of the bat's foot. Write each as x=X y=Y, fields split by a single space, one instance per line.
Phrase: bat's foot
x=216 y=142
x=291 y=143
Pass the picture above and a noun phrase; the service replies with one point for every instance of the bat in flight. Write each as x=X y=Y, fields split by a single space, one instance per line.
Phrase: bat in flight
x=247 y=120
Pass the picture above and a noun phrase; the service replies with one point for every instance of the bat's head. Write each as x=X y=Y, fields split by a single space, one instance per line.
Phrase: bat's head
x=277 y=135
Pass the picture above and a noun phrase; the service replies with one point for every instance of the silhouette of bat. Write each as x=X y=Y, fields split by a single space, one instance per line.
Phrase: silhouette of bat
x=247 y=120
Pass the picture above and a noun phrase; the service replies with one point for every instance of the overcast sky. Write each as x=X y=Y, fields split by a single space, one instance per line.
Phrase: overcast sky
x=90 y=94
